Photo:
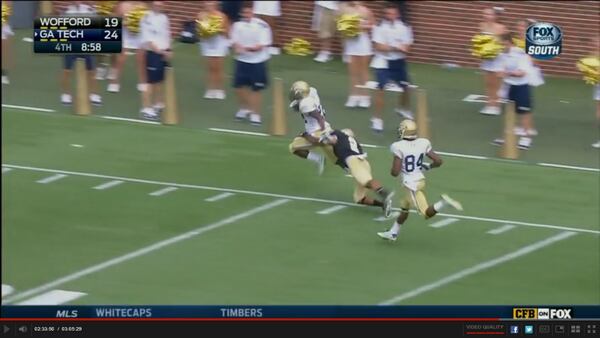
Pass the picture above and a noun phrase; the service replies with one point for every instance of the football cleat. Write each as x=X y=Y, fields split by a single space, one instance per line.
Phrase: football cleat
x=452 y=202
x=387 y=204
x=388 y=235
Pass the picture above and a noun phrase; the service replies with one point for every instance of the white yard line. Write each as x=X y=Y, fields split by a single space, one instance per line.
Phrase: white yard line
x=51 y=179
x=143 y=251
x=477 y=268
x=127 y=119
x=243 y=132
x=293 y=197
x=331 y=210
x=567 y=167
x=502 y=229
x=28 y=108
x=444 y=222
x=475 y=157
x=54 y=297
x=219 y=197
x=162 y=191
x=108 y=184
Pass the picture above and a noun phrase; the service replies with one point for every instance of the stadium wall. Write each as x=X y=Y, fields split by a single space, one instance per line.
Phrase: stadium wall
x=442 y=29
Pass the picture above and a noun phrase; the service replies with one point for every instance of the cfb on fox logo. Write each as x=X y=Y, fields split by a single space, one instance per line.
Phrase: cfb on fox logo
x=543 y=40
x=542 y=313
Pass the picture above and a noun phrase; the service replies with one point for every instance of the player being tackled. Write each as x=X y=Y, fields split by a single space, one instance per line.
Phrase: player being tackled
x=409 y=153
x=350 y=157
x=305 y=100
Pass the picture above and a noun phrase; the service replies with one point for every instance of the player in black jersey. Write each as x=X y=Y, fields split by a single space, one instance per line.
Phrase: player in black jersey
x=351 y=158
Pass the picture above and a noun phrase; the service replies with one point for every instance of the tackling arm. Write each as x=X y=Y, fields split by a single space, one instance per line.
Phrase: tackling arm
x=317 y=116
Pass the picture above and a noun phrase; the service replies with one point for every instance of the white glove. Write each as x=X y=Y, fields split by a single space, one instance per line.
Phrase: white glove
x=426 y=166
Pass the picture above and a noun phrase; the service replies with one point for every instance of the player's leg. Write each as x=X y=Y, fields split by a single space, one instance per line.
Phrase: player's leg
x=219 y=79
x=141 y=69
x=353 y=95
x=114 y=85
x=95 y=98
x=392 y=233
x=361 y=171
x=382 y=80
x=363 y=77
x=259 y=81
x=241 y=84
x=65 y=79
x=6 y=55
x=302 y=148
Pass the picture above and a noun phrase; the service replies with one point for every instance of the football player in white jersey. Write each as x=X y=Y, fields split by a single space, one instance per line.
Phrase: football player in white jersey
x=409 y=155
x=305 y=100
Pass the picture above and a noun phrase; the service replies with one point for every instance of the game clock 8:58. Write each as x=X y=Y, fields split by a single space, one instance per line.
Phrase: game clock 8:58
x=91 y=47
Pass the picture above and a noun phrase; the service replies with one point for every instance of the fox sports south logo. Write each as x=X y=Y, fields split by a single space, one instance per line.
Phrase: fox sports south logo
x=543 y=40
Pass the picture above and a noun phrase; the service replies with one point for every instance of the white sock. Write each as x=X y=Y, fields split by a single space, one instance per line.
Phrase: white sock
x=439 y=205
x=315 y=157
x=395 y=228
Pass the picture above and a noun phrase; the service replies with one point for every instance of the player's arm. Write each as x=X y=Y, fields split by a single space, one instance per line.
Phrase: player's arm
x=317 y=116
x=396 y=166
x=310 y=138
x=437 y=161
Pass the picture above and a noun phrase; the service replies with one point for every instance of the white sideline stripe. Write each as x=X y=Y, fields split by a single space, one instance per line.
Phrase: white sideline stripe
x=501 y=229
x=108 y=184
x=293 y=197
x=444 y=222
x=7 y=290
x=54 y=297
x=127 y=119
x=28 y=108
x=475 y=157
x=50 y=179
x=5 y=170
x=144 y=250
x=479 y=267
x=331 y=210
x=219 y=197
x=238 y=132
x=393 y=215
x=263 y=134
x=568 y=167
x=162 y=191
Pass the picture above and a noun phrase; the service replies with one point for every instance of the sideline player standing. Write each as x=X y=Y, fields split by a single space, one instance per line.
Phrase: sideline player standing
x=350 y=157
x=79 y=8
x=156 y=39
x=409 y=153
x=250 y=38
x=392 y=40
x=305 y=99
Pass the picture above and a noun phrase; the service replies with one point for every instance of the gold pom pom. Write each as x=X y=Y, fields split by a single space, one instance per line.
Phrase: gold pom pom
x=105 y=7
x=6 y=12
x=349 y=25
x=485 y=46
x=590 y=68
x=210 y=26
x=519 y=43
x=298 y=47
x=133 y=18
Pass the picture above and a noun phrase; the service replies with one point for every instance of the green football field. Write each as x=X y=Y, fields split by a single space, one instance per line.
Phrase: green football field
x=120 y=212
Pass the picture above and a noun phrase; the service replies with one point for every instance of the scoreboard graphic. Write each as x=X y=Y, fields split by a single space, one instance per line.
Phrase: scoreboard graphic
x=77 y=35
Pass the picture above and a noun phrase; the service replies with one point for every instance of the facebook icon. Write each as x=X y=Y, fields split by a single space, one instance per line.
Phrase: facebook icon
x=514 y=329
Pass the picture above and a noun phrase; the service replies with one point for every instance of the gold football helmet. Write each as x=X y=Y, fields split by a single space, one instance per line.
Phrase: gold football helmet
x=298 y=91
x=407 y=130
